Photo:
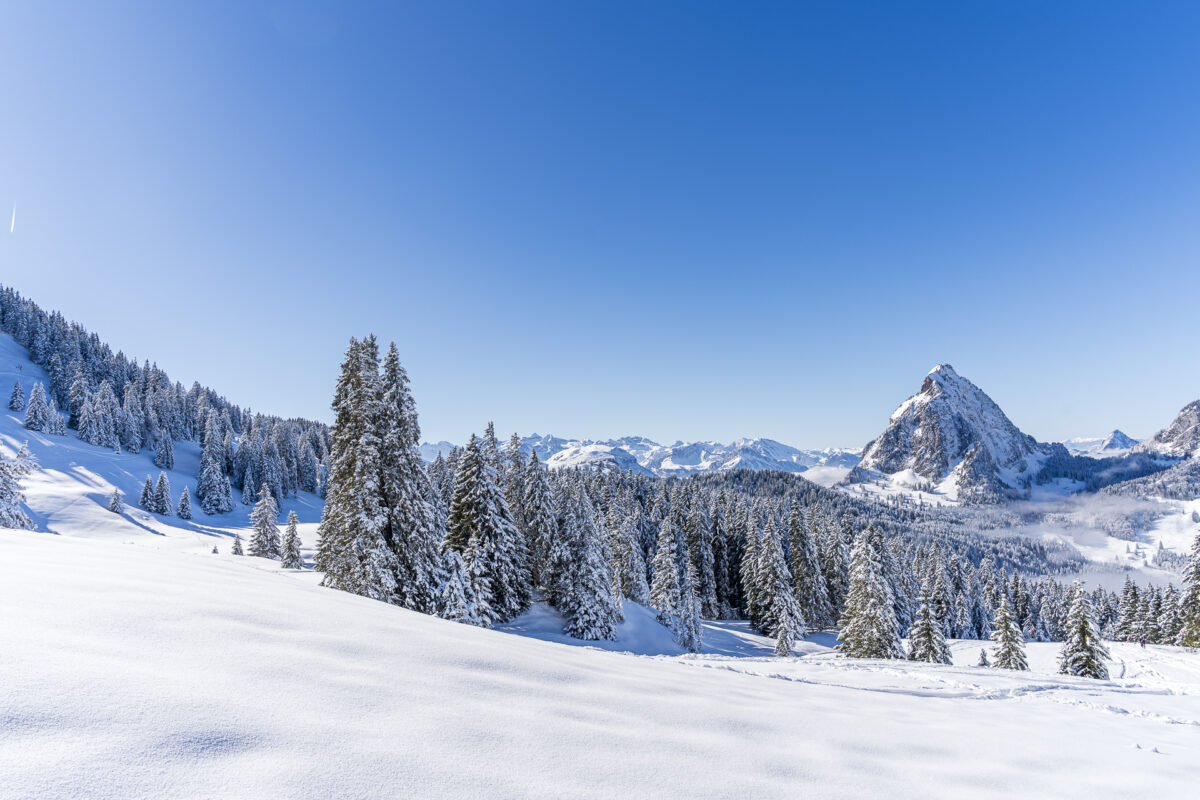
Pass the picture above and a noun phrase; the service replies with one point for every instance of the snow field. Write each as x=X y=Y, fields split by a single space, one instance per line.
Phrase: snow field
x=131 y=671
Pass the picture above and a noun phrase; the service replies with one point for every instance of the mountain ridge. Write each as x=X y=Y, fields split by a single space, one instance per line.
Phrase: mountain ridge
x=645 y=456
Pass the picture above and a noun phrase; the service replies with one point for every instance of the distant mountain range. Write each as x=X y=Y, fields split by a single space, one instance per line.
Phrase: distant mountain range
x=948 y=439
x=647 y=457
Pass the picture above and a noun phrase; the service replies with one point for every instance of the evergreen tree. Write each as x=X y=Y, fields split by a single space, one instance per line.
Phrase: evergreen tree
x=55 y=424
x=162 y=495
x=456 y=600
x=538 y=505
x=290 y=548
x=750 y=573
x=983 y=659
x=1127 y=623
x=146 y=501
x=38 y=413
x=671 y=590
x=835 y=561
x=99 y=427
x=185 y=505
x=588 y=601
x=1189 y=603
x=559 y=564
x=1083 y=652
x=1169 y=621
x=115 y=504
x=926 y=640
x=264 y=542
x=164 y=453
x=12 y=495
x=414 y=527
x=237 y=544
x=352 y=548
x=809 y=584
x=78 y=397
x=868 y=626
x=1009 y=651
x=480 y=527
x=132 y=423
x=16 y=400
x=785 y=617
x=697 y=536
x=213 y=489
x=625 y=550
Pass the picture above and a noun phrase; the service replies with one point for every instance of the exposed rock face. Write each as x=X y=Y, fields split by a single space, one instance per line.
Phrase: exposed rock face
x=952 y=425
x=1179 y=440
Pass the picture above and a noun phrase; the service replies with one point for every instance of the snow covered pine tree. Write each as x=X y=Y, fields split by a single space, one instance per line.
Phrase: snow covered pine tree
x=290 y=548
x=264 y=542
x=1083 y=653
x=868 y=626
x=1009 y=652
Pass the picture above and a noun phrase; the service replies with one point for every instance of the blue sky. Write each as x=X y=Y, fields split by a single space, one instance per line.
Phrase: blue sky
x=684 y=220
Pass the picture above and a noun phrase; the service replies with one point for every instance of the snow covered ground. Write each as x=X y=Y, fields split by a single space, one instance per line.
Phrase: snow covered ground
x=134 y=662
x=134 y=671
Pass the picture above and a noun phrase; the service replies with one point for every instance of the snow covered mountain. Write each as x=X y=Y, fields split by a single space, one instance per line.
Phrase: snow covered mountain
x=645 y=456
x=1181 y=439
x=1115 y=444
x=951 y=434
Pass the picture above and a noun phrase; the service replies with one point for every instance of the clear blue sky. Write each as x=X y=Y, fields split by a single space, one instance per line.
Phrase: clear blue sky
x=685 y=220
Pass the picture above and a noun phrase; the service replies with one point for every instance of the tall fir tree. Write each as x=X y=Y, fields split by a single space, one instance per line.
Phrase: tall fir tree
x=588 y=601
x=1009 y=649
x=786 y=619
x=539 y=513
x=38 y=411
x=1189 y=603
x=808 y=582
x=146 y=500
x=926 y=640
x=1083 y=653
x=264 y=542
x=213 y=489
x=671 y=590
x=162 y=494
x=869 y=628
x=290 y=557
x=835 y=561
x=414 y=526
x=185 y=505
x=132 y=423
x=164 y=453
x=480 y=527
x=352 y=548
x=16 y=400
x=1127 y=622
x=625 y=551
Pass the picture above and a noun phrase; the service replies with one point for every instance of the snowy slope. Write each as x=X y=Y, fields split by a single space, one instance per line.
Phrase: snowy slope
x=131 y=671
x=70 y=493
